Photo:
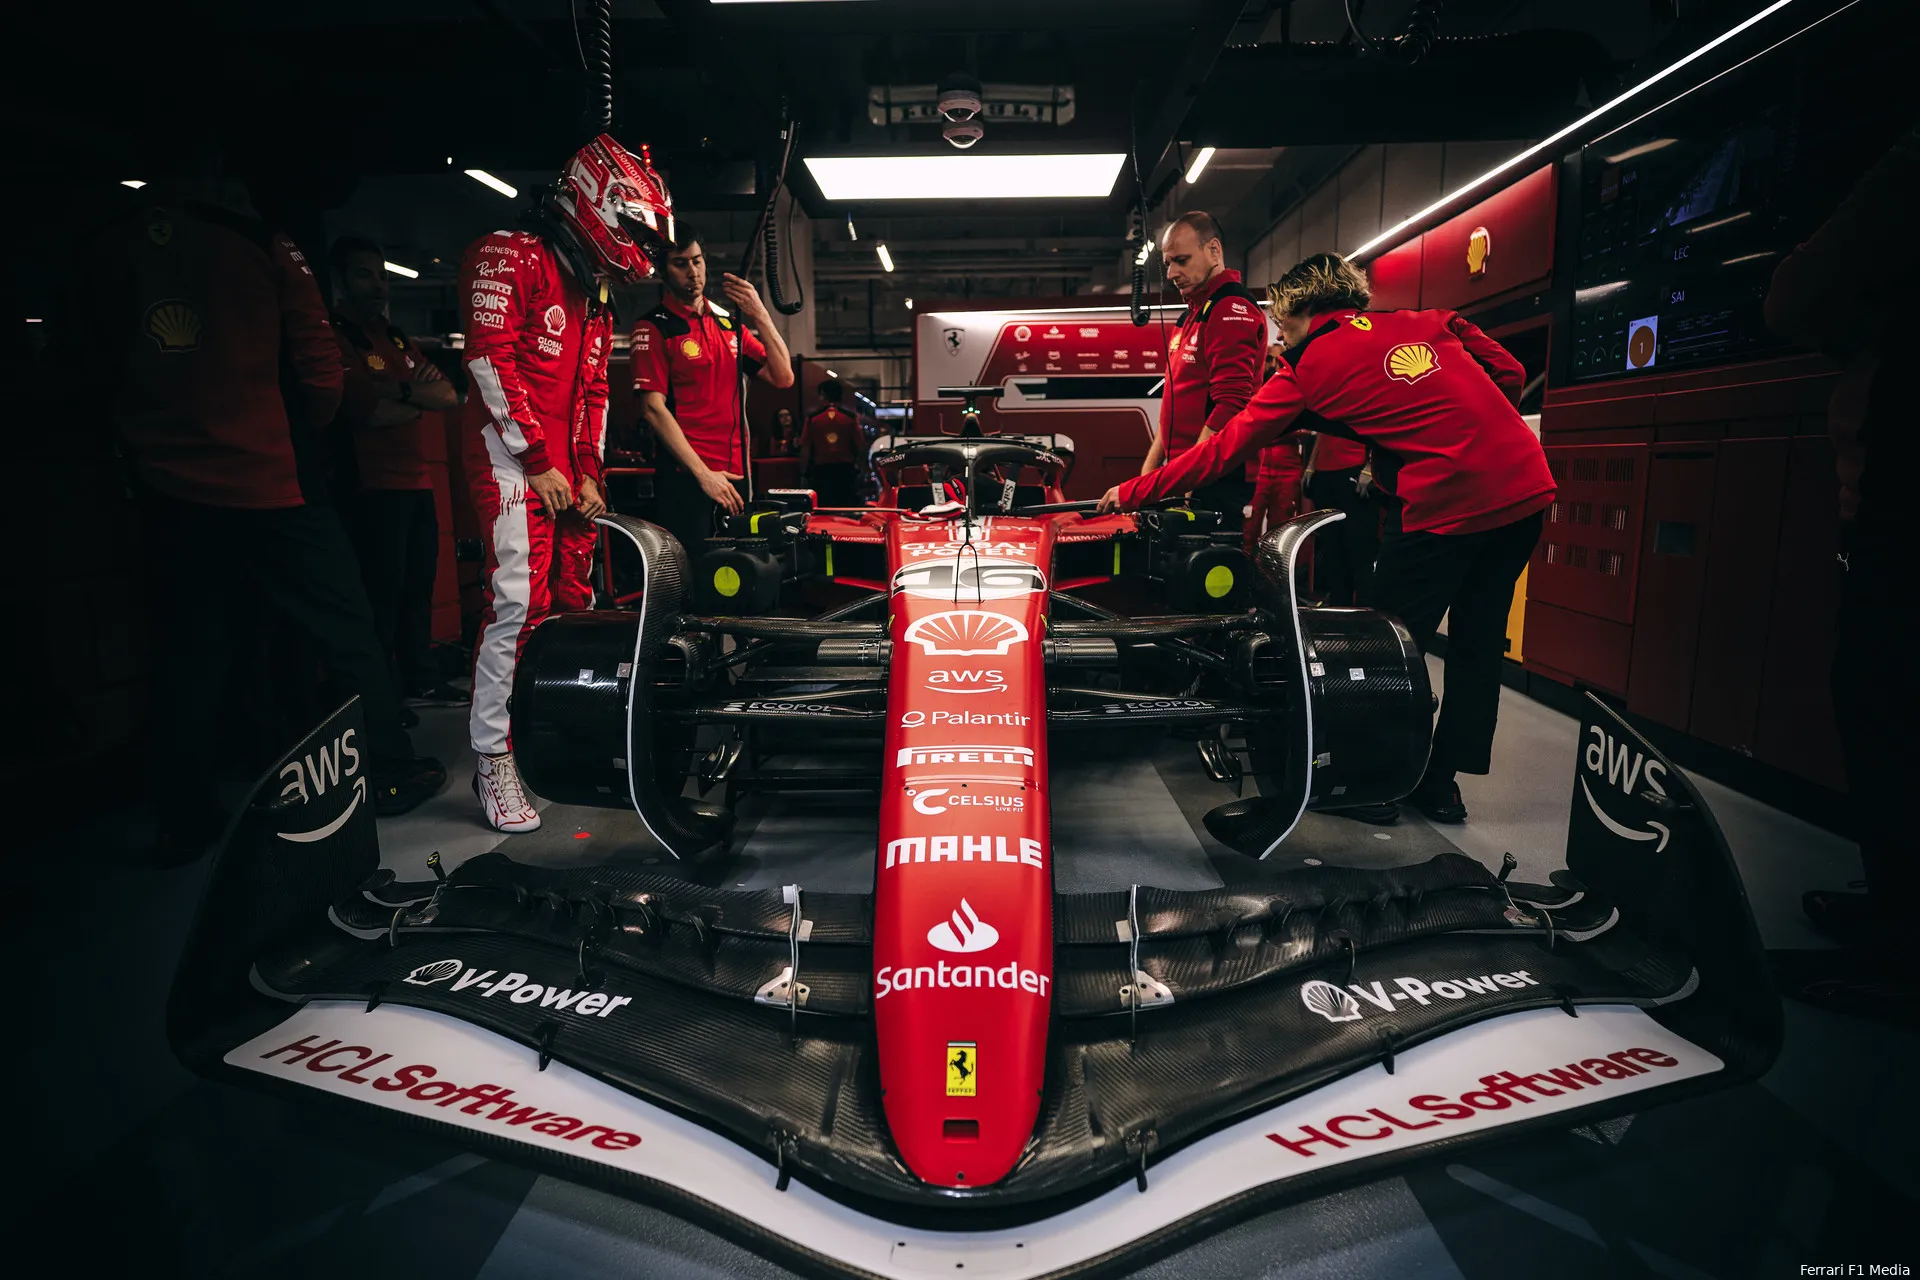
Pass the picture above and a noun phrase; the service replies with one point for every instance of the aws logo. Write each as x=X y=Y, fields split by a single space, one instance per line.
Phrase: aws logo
x=1618 y=764
x=307 y=778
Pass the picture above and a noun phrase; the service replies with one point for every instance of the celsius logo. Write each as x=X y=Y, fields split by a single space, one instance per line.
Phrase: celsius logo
x=428 y=974
x=1329 y=1001
x=963 y=931
x=1619 y=765
x=966 y=633
x=932 y=800
x=967 y=680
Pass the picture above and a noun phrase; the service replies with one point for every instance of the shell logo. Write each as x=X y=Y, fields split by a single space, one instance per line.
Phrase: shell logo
x=1411 y=361
x=375 y=362
x=1479 y=252
x=966 y=633
x=690 y=348
x=1329 y=1001
x=174 y=326
x=556 y=318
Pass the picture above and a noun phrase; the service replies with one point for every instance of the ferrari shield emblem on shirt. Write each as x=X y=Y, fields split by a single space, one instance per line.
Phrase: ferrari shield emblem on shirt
x=1411 y=361
x=963 y=1068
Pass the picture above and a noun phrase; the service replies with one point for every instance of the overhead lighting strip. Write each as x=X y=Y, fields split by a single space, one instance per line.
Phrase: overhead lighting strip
x=1561 y=135
x=966 y=177
x=486 y=179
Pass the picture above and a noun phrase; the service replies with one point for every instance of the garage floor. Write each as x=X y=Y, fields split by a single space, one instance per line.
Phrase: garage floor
x=126 y=1164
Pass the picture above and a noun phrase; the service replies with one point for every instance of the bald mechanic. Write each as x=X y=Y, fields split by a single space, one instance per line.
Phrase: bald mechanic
x=1213 y=361
x=1433 y=397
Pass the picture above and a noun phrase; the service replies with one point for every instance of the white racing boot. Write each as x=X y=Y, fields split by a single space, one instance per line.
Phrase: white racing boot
x=496 y=780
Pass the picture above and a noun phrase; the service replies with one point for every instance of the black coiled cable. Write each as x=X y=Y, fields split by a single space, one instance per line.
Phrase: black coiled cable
x=1136 y=245
x=1422 y=31
x=603 y=64
x=770 y=238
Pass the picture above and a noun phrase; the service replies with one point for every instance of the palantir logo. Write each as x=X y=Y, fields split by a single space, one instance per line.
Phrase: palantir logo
x=1329 y=1001
x=428 y=974
x=965 y=932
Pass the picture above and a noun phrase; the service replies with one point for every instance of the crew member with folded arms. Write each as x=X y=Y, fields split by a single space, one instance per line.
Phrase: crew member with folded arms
x=1434 y=399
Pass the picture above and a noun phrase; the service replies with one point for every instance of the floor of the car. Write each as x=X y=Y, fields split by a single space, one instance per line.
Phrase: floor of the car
x=1809 y=1165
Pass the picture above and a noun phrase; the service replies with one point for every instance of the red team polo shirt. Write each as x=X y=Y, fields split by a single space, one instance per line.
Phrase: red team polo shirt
x=694 y=361
x=830 y=435
x=1337 y=453
x=1427 y=390
x=390 y=457
x=1213 y=362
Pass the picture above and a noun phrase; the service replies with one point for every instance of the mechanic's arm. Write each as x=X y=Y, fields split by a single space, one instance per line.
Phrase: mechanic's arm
x=715 y=484
x=432 y=391
x=309 y=340
x=1268 y=416
x=495 y=322
x=1506 y=372
x=1234 y=338
x=1156 y=452
x=775 y=361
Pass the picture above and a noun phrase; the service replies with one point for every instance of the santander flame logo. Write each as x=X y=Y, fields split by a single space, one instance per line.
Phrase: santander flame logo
x=963 y=931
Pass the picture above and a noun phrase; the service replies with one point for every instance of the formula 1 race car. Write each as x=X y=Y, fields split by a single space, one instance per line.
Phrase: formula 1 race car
x=964 y=1066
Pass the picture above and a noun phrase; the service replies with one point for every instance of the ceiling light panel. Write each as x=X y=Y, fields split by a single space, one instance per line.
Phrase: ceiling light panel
x=966 y=177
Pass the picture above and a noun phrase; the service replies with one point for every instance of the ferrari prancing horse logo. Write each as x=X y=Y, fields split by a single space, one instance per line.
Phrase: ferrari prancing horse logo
x=963 y=1068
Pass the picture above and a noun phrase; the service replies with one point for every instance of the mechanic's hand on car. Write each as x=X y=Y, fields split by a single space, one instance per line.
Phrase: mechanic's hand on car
x=592 y=503
x=555 y=494
x=1109 y=501
x=718 y=486
x=746 y=299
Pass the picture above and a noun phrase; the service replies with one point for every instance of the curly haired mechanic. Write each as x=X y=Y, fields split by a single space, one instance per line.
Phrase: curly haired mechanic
x=1433 y=398
x=539 y=333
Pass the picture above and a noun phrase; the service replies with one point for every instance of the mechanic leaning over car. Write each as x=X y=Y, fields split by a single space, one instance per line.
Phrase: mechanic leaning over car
x=539 y=333
x=687 y=355
x=1213 y=361
x=1433 y=398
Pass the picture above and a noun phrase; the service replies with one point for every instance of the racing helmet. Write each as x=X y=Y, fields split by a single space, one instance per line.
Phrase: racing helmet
x=617 y=209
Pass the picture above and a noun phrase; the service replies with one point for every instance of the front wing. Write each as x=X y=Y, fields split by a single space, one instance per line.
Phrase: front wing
x=1212 y=1051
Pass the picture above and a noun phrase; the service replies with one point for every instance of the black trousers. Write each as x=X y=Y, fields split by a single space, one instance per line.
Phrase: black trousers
x=397 y=536
x=1876 y=699
x=214 y=569
x=1228 y=496
x=1343 y=554
x=682 y=508
x=836 y=483
x=1468 y=579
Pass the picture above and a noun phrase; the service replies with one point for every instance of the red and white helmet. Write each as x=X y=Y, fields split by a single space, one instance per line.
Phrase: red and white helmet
x=617 y=208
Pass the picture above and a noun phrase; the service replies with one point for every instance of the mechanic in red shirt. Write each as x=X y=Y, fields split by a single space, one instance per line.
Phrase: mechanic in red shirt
x=392 y=406
x=539 y=335
x=687 y=357
x=209 y=331
x=1433 y=398
x=1213 y=361
x=1276 y=482
x=827 y=449
x=1338 y=479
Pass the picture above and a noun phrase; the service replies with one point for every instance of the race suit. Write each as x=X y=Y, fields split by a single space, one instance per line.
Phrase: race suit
x=537 y=345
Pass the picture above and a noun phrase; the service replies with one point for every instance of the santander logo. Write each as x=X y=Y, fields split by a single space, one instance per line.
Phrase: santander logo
x=963 y=932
